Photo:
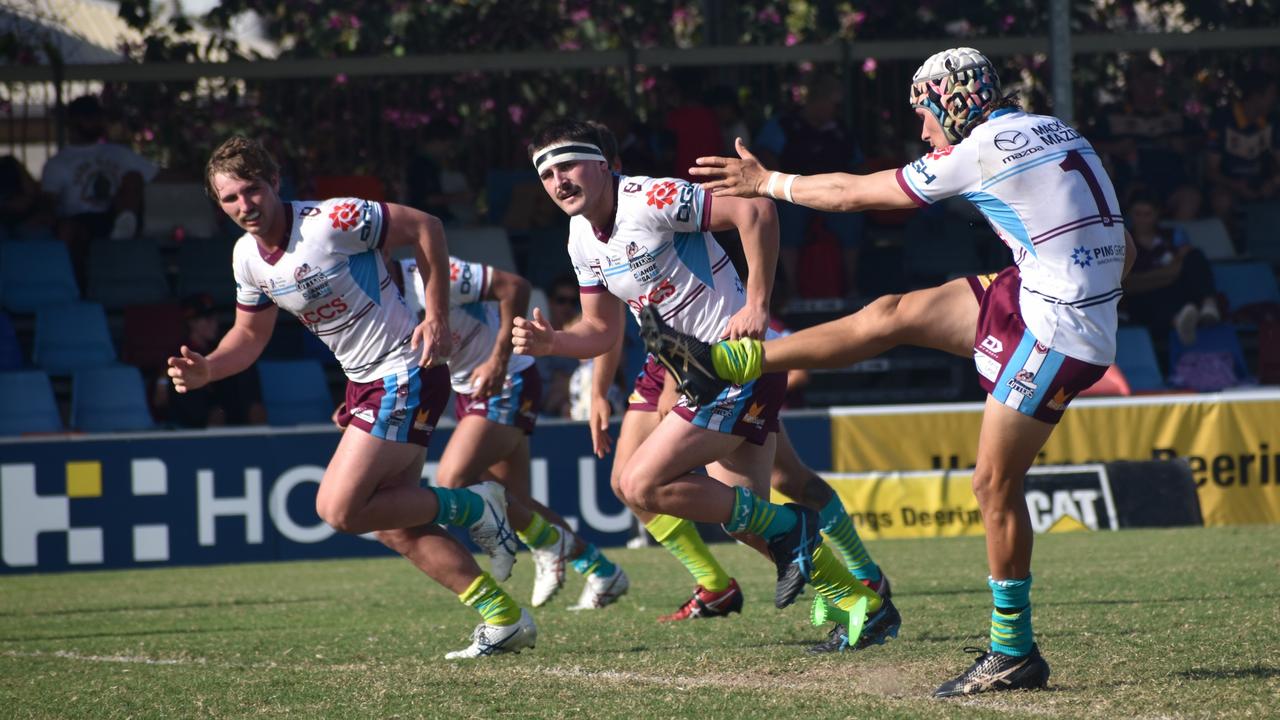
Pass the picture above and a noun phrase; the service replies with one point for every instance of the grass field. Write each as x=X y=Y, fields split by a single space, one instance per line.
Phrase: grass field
x=1151 y=624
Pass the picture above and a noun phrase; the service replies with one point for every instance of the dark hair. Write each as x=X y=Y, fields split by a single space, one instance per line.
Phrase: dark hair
x=1254 y=83
x=1010 y=100
x=564 y=129
x=243 y=158
x=85 y=106
x=607 y=141
x=566 y=280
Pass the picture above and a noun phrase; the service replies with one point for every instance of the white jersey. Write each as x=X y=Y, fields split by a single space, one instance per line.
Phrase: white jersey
x=660 y=252
x=330 y=275
x=473 y=321
x=1044 y=191
x=85 y=178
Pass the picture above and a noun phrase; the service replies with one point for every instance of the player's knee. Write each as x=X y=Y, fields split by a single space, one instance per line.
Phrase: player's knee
x=992 y=488
x=888 y=315
x=337 y=515
x=638 y=490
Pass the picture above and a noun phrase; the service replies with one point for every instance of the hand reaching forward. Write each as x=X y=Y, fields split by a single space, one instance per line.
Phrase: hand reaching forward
x=533 y=335
x=188 y=372
x=742 y=176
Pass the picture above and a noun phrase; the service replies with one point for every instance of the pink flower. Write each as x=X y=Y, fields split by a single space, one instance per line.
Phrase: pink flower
x=1007 y=22
x=488 y=104
x=335 y=22
x=580 y=16
x=353 y=22
x=769 y=14
x=791 y=39
x=516 y=112
x=340 y=79
x=869 y=66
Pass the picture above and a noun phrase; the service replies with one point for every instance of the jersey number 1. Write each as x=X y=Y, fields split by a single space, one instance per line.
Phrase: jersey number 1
x=1075 y=161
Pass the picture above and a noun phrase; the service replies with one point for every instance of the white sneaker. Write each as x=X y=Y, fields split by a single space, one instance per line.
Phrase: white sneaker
x=492 y=532
x=489 y=639
x=601 y=591
x=548 y=568
x=1185 y=323
x=1209 y=314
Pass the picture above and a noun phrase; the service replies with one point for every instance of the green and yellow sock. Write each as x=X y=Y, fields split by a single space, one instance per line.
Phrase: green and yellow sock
x=593 y=562
x=839 y=530
x=681 y=538
x=834 y=582
x=491 y=601
x=459 y=507
x=1011 y=632
x=759 y=517
x=738 y=361
x=539 y=534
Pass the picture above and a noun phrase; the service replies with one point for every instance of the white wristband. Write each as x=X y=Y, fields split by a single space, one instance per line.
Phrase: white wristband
x=786 y=187
x=773 y=180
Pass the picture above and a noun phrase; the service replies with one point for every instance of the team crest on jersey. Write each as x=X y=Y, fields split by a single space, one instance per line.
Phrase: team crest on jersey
x=344 y=216
x=662 y=194
x=312 y=285
x=643 y=266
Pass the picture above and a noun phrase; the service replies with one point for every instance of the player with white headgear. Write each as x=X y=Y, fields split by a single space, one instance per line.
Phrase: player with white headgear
x=1039 y=331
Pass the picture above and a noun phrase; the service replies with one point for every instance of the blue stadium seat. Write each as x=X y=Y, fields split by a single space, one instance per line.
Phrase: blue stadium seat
x=10 y=351
x=204 y=266
x=72 y=336
x=484 y=244
x=29 y=405
x=109 y=399
x=1245 y=284
x=124 y=273
x=36 y=273
x=1218 y=338
x=1262 y=230
x=1211 y=236
x=294 y=392
x=1136 y=357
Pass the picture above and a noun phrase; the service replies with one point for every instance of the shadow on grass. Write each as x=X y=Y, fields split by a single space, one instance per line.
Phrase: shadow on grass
x=171 y=606
x=145 y=633
x=1257 y=672
x=1155 y=601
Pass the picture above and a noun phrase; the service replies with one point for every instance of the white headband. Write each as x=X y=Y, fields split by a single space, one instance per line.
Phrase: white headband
x=562 y=152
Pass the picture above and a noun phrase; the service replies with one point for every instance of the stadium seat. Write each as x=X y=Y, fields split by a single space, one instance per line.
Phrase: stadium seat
x=1210 y=235
x=10 y=351
x=126 y=272
x=294 y=392
x=365 y=187
x=29 y=405
x=1220 y=338
x=169 y=206
x=485 y=244
x=204 y=266
x=1136 y=357
x=538 y=299
x=109 y=399
x=72 y=336
x=152 y=333
x=36 y=274
x=1269 y=352
x=1262 y=231
x=1245 y=284
x=499 y=186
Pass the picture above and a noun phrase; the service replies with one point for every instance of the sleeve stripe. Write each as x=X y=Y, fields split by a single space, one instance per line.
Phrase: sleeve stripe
x=906 y=188
x=253 y=308
x=485 y=278
x=706 y=212
x=590 y=289
x=383 y=217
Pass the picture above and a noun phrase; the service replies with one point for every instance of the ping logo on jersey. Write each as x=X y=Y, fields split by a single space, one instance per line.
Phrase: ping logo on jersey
x=664 y=291
x=344 y=216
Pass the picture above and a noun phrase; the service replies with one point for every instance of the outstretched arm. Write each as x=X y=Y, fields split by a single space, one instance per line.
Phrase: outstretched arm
x=744 y=176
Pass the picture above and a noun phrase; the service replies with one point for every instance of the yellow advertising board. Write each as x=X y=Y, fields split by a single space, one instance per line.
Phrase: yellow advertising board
x=1230 y=440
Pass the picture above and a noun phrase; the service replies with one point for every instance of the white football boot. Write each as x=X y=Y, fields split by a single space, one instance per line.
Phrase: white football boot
x=492 y=532
x=489 y=639
x=548 y=568
x=601 y=591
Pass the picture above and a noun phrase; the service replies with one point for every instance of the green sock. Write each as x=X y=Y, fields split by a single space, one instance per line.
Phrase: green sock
x=839 y=529
x=491 y=601
x=539 y=534
x=593 y=562
x=738 y=361
x=832 y=581
x=759 y=517
x=459 y=507
x=681 y=538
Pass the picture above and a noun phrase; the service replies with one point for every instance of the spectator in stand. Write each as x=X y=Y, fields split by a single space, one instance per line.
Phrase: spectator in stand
x=812 y=140
x=724 y=102
x=635 y=140
x=19 y=197
x=1146 y=142
x=797 y=379
x=94 y=185
x=694 y=126
x=433 y=184
x=236 y=400
x=1243 y=163
x=556 y=372
x=1171 y=284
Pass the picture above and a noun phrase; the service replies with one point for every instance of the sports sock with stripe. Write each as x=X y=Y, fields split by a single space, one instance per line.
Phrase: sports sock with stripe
x=459 y=507
x=491 y=601
x=1011 y=618
x=759 y=517
x=738 y=361
x=680 y=538
x=834 y=582
x=539 y=533
x=839 y=530
x=593 y=562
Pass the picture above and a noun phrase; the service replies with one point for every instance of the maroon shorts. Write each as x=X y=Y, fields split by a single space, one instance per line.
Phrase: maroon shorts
x=1016 y=368
x=400 y=408
x=749 y=411
x=518 y=405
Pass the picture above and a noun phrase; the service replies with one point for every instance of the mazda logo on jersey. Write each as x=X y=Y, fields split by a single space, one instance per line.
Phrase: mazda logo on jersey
x=1010 y=140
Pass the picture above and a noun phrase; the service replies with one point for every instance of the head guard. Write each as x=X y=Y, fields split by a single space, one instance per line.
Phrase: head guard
x=956 y=86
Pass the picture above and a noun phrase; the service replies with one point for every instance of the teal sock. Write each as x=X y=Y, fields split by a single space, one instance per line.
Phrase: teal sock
x=759 y=517
x=1011 y=619
x=839 y=529
x=593 y=562
x=459 y=507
